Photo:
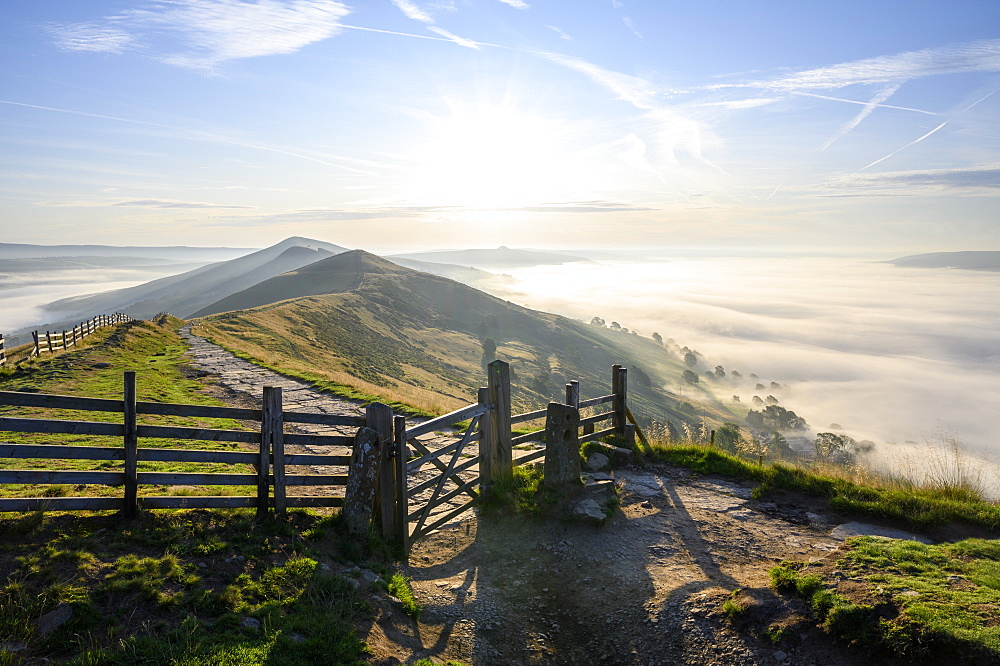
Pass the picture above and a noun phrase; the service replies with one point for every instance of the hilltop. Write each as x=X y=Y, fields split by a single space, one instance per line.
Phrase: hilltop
x=984 y=260
x=410 y=336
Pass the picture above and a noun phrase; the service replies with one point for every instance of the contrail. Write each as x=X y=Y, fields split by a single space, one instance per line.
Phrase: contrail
x=775 y=191
x=981 y=99
x=854 y=101
x=199 y=136
x=868 y=109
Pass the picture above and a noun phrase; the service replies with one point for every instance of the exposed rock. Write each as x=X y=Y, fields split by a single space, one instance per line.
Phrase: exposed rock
x=852 y=529
x=250 y=623
x=590 y=509
x=54 y=619
x=597 y=461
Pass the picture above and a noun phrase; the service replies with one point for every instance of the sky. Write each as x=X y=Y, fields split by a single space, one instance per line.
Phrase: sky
x=858 y=127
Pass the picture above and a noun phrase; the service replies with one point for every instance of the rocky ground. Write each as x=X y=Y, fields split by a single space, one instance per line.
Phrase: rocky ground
x=645 y=587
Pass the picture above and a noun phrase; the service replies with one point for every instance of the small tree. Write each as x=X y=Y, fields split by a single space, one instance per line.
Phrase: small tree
x=736 y=398
x=690 y=359
x=757 y=402
x=771 y=400
x=720 y=372
x=728 y=437
x=657 y=338
x=835 y=447
x=615 y=326
x=490 y=348
x=689 y=377
x=597 y=321
x=735 y=374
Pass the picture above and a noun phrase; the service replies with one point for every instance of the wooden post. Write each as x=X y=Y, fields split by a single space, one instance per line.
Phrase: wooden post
x=485 y=442
x=630 y=436
x=402 y=496
x=3 y=357
x=263 y=466
x=573 y=394
x=131 y=444
x=362 y=482
x=272 y=416
x=562 y=447
x=619 y=388
x=36 y=351
x=500 y=454
x=379 y=419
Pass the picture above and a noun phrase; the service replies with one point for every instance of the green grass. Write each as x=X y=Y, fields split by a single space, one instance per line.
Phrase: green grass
x=923 y=599
x=399 y=587
x=178 y=587
x=914 y=506
x=520 y=492
x=156 y=354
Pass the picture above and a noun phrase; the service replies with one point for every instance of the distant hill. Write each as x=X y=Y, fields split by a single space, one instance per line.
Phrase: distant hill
x=184 y=294
x=362 y=320
x=465 y=274
x=499 y=258
x=981 y=260
x=173 y=253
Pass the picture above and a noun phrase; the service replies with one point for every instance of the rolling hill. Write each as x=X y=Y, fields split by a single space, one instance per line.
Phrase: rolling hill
x=981 y=260
x=186 y=293
x=361 y=320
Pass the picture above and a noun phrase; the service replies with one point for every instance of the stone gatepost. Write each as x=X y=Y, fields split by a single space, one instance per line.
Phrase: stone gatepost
x=362 y=481
x=562 y=447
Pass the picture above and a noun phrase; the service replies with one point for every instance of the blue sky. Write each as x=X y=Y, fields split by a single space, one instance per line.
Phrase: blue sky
x=858 y=126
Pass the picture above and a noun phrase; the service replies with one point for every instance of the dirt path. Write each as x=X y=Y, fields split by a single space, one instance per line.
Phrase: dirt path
x=645 y=588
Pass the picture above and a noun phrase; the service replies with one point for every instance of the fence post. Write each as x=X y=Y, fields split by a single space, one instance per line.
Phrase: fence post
x=485 y=441
x=3 y=357
x=619 y=388
x=562 y=447
x=573 y=394
x=362 y=482
x=498 y=385
x=402 y=499
x=36 y=351
x=263 y=465
x=131 y=445
x=272 y=422
x=379 y=419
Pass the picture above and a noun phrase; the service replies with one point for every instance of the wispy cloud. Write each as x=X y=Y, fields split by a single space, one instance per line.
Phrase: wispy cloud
x=461 y=41
x=984 y=178
x=979 y=56
x=854 y=101
x=332 y=215
x=93 y=37
x=516 y=4
x=581 y=207
x=631 y=26
x=209 y=31
x=558 y=31
x=159 y=203
x=412 y=11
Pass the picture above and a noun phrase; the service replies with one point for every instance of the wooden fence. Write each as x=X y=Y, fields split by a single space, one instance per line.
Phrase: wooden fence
x=269 y=460
x=49 y=341
x=402 y=511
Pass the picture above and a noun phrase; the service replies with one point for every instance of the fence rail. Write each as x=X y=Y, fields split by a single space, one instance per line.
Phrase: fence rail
x=53 y=341
x=269 y=460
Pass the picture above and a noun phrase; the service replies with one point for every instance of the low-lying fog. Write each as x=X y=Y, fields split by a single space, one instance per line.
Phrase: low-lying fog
x=891 y=354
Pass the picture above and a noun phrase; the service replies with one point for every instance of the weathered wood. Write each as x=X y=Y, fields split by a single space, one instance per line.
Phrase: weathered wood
x=573 y=394
x=630 y=436
x=10 y=424
x=619 y=388
x=588 y=437
x=57 y=452
x=52 y=401
x=271 y=415
x=417 y=463
x=3 y=355
x=131 y=444
x=486 y=439
x=528 y=437
x=196 y=479
x=445 y=420
x=35 y=350
x=468 y=464
x=262 y=466
x=597 y=418
x=198 y=502
x=319 y=440
x=400 y=494
x=317 y=459
x=50 y=476
x=444 y=498
x=324 y=419
x=200 y=411
x=197 y=456
x=527 y=416
x=498 y=382
x=562 y=448
x=445 y=476
x=362 y=482
x=202 y=434
x=379 y=418
x=593 y=402
x=61 y=504
x=638 y=430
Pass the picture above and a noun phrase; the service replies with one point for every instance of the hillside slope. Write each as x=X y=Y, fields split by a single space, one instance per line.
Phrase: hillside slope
x=361 y=320
x=184 y=294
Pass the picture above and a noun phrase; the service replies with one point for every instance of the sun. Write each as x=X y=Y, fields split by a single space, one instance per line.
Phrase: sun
x=488 y=156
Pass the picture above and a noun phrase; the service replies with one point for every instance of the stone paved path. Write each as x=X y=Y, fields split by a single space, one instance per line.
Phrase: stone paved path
x=249 y=380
